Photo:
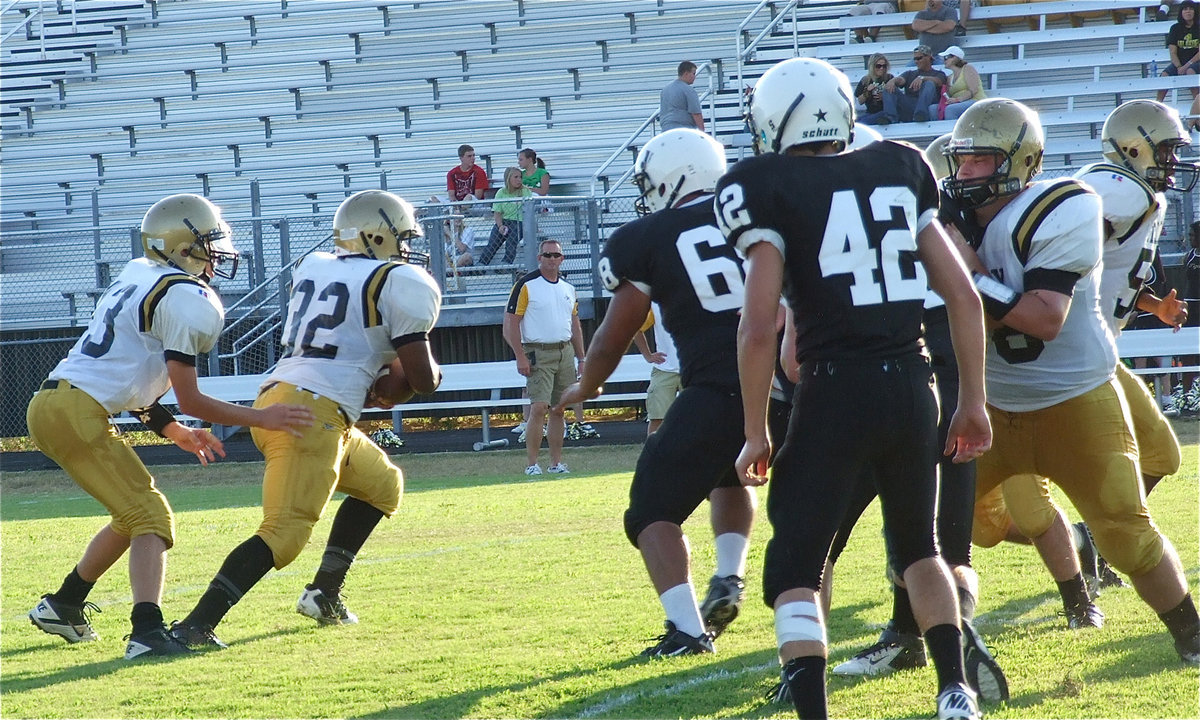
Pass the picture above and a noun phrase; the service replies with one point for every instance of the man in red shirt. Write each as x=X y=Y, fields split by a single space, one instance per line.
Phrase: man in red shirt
x=467 y=181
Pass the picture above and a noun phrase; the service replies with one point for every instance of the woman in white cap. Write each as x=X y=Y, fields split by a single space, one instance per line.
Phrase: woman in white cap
x=964 y=87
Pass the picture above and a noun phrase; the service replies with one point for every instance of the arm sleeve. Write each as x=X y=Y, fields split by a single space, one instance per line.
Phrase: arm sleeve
x=693 y=100
x=1069 y=236
x=410 y=304
x=187 y=322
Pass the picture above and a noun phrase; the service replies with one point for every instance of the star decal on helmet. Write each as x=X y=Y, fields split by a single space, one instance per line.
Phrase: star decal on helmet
x=820 y=115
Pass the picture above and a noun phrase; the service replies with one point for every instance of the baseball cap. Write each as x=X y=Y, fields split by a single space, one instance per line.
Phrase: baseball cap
x=954 y=50
x=923 y=49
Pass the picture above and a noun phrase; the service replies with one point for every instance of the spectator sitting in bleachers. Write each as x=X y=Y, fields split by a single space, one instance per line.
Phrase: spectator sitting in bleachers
x=868 y=94
x=1183 y=42
x=507 y=229
x=934 y=25
x=465 y=181
x=907 y=96
x=964 y=14
x=866 y=7
x=533 y=172
x=963 y=88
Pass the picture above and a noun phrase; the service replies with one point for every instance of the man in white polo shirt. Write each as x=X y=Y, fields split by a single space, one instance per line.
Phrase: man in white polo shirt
x=541 y=325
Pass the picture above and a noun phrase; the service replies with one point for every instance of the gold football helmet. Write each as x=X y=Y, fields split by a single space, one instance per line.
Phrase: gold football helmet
x=1005 y=129
x=378 y=224
x=1144 y=136
x=935 y=155
x=187 y=232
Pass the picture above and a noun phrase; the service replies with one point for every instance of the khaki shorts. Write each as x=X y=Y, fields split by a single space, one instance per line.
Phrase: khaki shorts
x=551 y=370
x=73 y=430
x=664 y=386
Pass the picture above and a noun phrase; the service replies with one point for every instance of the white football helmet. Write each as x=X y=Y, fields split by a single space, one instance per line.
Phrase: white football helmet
x=1144 y=136
x=864 y=135
x=187 y=232
x=935 y=155
x=675 y=164
x=1005 y=129
x=378 y=224
x=798 y=101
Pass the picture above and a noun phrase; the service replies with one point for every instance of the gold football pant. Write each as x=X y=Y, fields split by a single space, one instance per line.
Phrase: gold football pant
x=303 y=473
x=73 y=430
x=1085 y=445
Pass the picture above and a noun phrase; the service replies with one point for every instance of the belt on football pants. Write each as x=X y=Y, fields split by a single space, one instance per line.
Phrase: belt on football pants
x=56 y=385
x=314 y=393
x=548 y=346
x=886 y=365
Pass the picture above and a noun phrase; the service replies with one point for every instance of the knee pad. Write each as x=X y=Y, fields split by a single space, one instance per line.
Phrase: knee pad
x=149 y=515
x=1133 y=546
x=1030 y=506
x=991 y=520
x=286 y=541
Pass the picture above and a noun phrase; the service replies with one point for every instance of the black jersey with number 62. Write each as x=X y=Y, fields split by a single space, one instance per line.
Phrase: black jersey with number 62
x=680 y=259
x=847 y=228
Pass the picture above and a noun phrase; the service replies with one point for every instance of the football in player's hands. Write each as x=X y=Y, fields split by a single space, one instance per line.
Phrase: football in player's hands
x=390 y=388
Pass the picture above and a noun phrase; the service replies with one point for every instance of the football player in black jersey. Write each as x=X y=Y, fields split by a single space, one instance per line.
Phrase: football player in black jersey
x=851 y=236
x=900 y=646
x=676 y=256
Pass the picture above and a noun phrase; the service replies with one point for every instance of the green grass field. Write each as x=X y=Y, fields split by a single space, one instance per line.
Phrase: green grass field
x=492 y=596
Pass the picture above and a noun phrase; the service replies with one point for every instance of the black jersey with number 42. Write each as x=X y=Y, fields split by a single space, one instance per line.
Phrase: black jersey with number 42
x=680 y=259
x=847 y=228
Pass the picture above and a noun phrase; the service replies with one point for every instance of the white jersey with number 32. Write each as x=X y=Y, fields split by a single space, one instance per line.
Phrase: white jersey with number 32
x=346 y=317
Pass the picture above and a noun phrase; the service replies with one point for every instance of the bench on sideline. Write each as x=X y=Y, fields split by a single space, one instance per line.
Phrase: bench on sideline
x=1163 y=344
x=483 y=377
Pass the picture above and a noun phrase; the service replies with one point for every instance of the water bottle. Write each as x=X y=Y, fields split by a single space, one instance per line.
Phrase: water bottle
x=1153 y=68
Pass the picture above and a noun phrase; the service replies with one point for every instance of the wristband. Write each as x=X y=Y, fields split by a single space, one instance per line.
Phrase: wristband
x=998 y=298
x=156 y=417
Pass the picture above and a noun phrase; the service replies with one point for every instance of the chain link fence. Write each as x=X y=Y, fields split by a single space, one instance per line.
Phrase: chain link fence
x=50 y=281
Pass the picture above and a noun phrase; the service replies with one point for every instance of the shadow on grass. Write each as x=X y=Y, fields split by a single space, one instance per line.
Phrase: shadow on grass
x=20 y=682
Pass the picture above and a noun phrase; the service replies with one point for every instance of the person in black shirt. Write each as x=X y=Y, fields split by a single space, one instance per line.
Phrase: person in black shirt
x=850 y=235
x=676 y=256
x=1183 y=42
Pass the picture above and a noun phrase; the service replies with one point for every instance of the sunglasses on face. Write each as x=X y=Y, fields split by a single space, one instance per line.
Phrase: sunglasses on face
x=552 y=256
x=880 y=66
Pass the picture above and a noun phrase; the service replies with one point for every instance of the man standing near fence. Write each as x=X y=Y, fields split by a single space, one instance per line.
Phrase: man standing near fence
x=541 y=325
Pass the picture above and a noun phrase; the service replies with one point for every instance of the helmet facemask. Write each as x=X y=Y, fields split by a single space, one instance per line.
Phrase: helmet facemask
x=1169 y=172
x=649 y=201
x=402 y=252
x=215 y=249
x=977 y=192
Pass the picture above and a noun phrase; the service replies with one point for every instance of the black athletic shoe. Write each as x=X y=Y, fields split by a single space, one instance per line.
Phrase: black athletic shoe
x=675 y=642
x=194 y=636
x=1108 y=577
x=1089 y=559
x=157 y=642
x=1189 y=649
x=722 y=604
x=1086 y=615
x=979 y=664
x=70 y=622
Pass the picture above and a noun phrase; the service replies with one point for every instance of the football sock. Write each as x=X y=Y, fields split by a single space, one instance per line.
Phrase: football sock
x=731 y=554
x=352 y=526
x=805 y=678
x=945 y=647
x=145 y=616
x=903 y=620
x=242 y=569
x=1181 y=620
x=680 y=605
x=1074 y=592
x=74 y=589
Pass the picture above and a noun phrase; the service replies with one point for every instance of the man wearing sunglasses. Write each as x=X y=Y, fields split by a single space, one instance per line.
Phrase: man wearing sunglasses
x=541 y=325
x=907 y=97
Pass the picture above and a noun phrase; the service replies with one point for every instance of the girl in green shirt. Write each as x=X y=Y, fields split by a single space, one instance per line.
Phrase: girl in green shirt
x=533 y=172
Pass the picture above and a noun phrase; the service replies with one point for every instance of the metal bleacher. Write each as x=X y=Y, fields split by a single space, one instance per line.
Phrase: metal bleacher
x=122 y=101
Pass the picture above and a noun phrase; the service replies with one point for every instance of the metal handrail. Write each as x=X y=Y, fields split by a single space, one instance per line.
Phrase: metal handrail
x=742 y=52
x=39 y=13
x=710 y=93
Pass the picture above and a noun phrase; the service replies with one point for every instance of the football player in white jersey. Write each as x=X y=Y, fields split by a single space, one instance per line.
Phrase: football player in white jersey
x=144 y=337
x=1140 y=139
x=355 y=316
x=1057 y=410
